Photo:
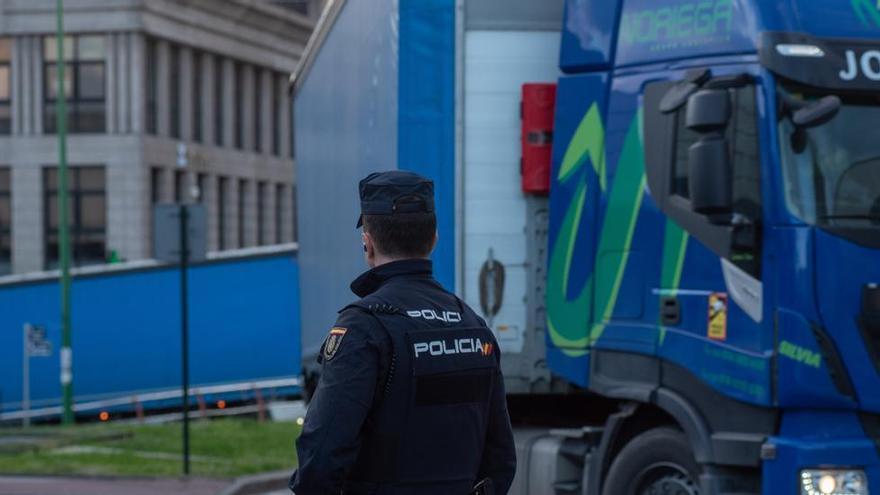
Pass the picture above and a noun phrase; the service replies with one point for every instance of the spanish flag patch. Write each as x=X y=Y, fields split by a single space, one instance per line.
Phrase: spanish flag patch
x=334 y=340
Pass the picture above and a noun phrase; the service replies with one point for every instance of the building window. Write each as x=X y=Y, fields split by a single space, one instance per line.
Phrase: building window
x=242 y=201
x=152 y=86
x=84 y=81
x=88 y=215
x=276 y=117
x=5 y=222
x=261 y=213
x=222 y=184
x=156 y=175
x=258 y=112
x=684 y=138
x=197 y=97
x=218 y=101
x=180 y=194
x=201 y=185
x=174 y=90
x=5 y=80
x=279 y=212
x=300 y=6
x=239 y=105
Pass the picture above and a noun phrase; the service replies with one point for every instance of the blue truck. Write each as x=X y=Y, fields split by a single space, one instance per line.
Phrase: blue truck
x=694 y=306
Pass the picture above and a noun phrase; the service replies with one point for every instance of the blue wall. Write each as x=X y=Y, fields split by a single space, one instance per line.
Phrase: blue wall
x=244 y=325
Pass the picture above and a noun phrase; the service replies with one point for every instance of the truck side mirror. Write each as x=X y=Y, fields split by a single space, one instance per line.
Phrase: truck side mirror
x=710 y=170
x=711 y=177
x=708 y=111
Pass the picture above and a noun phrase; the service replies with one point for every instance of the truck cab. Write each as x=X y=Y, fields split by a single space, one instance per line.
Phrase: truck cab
x=714 y=252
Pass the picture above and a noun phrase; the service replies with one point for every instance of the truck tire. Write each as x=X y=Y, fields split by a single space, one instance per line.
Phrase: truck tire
x=656 y=462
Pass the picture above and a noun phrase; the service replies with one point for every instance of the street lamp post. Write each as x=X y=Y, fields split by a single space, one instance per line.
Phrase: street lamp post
x=63 y=224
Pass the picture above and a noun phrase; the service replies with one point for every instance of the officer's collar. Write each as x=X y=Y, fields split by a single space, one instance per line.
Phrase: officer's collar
x=369 y=281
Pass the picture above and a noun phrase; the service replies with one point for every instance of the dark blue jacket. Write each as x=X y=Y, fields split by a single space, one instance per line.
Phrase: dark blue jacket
x=345 y=446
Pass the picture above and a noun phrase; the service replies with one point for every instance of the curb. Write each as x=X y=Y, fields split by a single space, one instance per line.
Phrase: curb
x=258 y=483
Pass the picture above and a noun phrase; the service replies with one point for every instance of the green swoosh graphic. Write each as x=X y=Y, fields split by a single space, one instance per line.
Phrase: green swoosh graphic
x=567 y=316
x=568 y=320
x=867 y=10
x=588 y=140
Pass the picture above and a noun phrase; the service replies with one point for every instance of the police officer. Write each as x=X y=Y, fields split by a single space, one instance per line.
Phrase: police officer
x=411 y=398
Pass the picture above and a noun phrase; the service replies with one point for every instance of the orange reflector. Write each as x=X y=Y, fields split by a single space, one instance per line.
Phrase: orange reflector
x=104 y=416
x=221 y=404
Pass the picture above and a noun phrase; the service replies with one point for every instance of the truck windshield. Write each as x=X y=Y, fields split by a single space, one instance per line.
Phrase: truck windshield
x=832 y=173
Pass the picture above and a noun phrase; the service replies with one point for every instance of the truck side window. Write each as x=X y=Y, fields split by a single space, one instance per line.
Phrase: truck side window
x=667 y=141
x=746 y=154
x=684 y=138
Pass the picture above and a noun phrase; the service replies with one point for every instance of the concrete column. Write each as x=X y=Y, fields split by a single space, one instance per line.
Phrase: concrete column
x=163 y=88
x=186 y=93
x=232 y=213
x=110 y=81
x=246 y=95
x=207 y=95
x=37 y=75
x=138 y=95
x=21 y=94
x=27 y=218
x=128 y=210
x=124 y=81
x=265 y=82
x=209 y=199
x=230 y=99
x=27 y=82
x=15 y=66
x=36 y=104
x=284 y=115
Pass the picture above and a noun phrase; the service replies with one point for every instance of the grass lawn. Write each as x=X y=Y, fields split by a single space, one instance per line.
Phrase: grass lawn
x=219 y=448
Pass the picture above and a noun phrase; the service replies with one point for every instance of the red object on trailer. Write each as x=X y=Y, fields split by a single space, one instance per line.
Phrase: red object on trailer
x=536 y=110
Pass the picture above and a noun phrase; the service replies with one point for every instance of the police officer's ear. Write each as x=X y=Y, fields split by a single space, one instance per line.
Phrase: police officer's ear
x=369 y=248
x=434 y=243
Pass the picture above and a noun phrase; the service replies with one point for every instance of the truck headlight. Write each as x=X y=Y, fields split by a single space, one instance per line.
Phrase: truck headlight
x=833 y=482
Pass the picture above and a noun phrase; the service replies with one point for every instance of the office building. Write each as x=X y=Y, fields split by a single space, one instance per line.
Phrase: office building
x=167 y=101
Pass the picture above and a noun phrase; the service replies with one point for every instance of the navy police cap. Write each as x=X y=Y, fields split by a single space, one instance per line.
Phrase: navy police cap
x=395 y=191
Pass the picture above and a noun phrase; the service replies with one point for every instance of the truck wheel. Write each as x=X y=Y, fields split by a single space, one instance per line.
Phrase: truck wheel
x=657 y=462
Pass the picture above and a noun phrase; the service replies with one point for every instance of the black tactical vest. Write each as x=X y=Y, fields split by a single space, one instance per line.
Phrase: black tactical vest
x=427 y=428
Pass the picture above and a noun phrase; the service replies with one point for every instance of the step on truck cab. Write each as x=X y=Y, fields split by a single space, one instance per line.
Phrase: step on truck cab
x=693 y=307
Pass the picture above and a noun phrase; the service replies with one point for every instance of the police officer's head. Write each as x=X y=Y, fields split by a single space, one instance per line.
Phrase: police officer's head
x=397 y=216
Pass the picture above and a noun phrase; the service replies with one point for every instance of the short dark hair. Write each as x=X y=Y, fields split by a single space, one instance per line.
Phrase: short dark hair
x=403 y=235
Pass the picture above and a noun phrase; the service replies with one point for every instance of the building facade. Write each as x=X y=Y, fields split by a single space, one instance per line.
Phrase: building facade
x=167 y=101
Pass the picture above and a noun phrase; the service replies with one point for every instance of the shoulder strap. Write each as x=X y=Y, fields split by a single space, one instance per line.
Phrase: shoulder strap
x=377 y=310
